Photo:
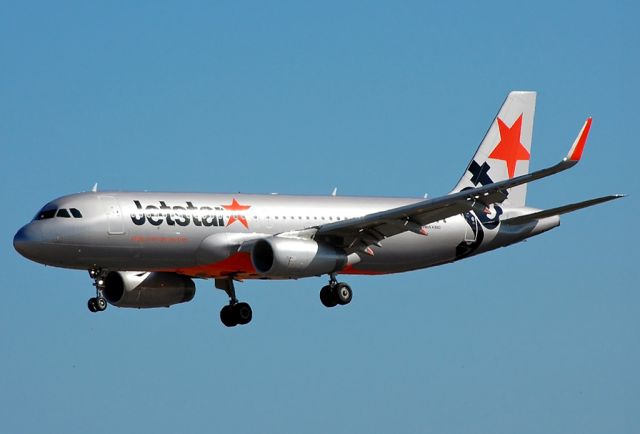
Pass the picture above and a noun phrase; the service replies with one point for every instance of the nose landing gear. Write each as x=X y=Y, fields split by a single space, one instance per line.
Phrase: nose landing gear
x=97 y=303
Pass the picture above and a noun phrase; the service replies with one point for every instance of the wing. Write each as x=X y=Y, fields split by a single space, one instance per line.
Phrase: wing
x=360 y=233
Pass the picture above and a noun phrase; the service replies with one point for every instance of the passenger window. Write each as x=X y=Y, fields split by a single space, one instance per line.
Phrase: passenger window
x=63 y=213
x=74 y=212
x=46 y=214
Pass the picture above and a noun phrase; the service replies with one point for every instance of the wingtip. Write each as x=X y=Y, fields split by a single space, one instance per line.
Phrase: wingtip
x=575 y=154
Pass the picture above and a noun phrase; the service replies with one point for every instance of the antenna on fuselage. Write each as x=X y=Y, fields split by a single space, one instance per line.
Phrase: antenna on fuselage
x=95 y=187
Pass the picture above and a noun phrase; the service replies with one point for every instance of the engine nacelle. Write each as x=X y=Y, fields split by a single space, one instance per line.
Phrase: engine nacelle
x=143 y=290
x=284 y=258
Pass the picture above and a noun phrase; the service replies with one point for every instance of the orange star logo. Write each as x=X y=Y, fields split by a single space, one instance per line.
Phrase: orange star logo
x=509 y=148
x=235 y=206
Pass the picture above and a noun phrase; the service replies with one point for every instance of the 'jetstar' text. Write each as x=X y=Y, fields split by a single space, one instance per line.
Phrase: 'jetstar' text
x=177 y=215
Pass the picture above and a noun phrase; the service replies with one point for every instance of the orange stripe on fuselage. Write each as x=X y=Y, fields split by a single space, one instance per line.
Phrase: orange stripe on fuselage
x=238 y=264
x=350 y=270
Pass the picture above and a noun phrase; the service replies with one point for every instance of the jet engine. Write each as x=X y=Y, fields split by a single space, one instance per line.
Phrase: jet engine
x=284 y=258
x=143 y=290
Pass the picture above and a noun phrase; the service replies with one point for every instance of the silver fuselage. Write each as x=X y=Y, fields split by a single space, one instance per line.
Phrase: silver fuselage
x=143 y=231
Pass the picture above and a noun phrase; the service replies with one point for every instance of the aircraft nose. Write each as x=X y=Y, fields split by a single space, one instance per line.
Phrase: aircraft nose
x=26 y=241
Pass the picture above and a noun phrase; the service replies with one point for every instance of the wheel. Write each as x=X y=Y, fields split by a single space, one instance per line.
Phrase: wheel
x=243 y=313
x=342 y=293
x=326 y=297
x=92 y=304
x=101 y=304
x=227 y=316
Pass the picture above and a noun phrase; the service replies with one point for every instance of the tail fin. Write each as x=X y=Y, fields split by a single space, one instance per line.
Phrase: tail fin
x=506 y=148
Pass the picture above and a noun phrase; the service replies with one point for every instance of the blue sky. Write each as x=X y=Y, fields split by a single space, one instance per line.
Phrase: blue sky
x=376 y=98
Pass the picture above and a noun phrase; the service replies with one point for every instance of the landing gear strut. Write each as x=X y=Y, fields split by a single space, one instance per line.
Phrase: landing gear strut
x=235 y=313
x=335 y=293
x=97 y=303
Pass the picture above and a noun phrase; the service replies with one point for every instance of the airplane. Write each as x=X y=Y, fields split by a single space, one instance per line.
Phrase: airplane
x=144 y=249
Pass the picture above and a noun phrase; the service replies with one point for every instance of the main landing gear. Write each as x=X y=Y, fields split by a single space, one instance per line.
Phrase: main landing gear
x=235 y=313
x=97 y=303
x=335 y=293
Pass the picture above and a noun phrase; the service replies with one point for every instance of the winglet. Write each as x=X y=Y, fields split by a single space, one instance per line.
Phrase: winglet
x=578 y=146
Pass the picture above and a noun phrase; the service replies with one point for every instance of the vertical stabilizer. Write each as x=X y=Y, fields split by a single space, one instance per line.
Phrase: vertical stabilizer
x=505 y=151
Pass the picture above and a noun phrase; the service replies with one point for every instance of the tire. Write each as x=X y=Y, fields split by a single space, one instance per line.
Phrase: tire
x=342 y=293
x=243 y=313
x=92 y=304
x=326 y=297
x=101 y=303
x=227 y=316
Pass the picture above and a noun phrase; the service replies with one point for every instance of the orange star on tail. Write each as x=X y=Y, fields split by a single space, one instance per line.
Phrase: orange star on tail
x=510 y=149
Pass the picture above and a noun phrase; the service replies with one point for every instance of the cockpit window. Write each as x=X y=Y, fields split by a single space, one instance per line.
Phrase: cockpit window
x=49 y=211
x=45 y=214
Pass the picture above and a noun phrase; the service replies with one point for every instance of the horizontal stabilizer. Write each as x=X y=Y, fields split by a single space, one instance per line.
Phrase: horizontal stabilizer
x=560 y=210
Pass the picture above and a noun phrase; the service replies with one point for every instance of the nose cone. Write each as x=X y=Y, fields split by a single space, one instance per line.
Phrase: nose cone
x=27 y=240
